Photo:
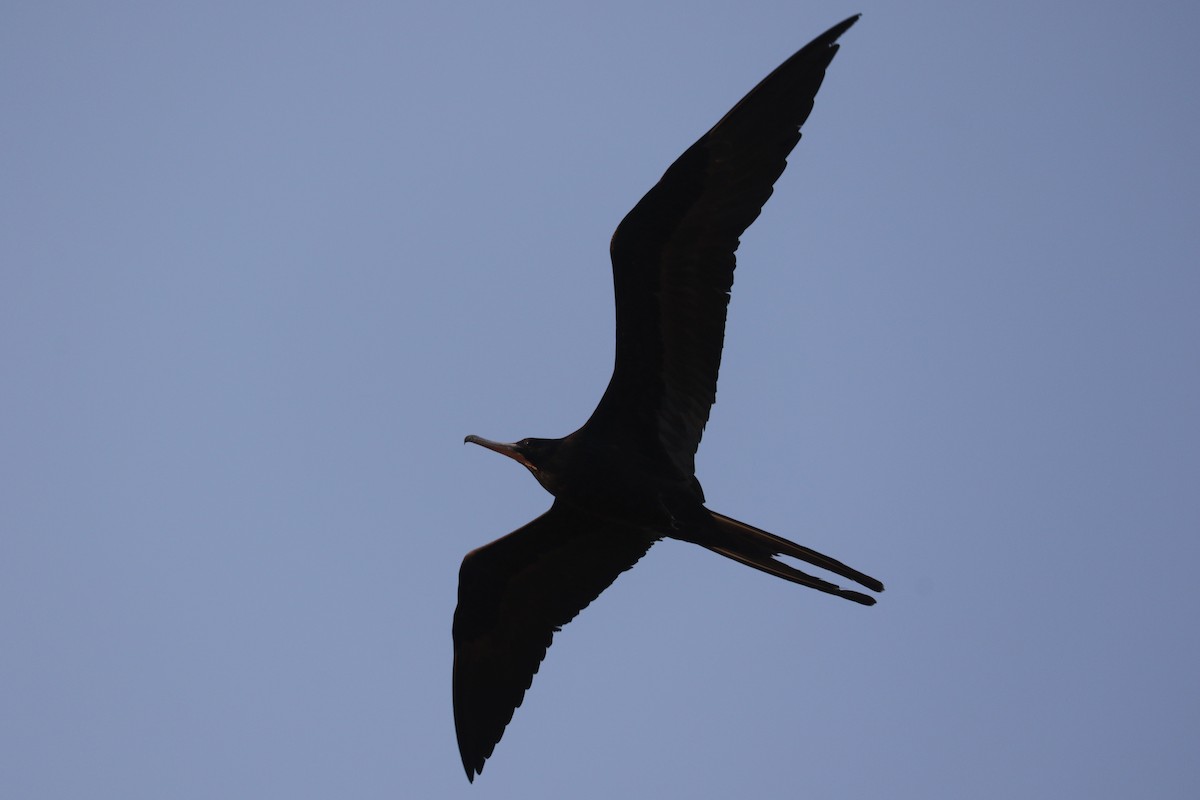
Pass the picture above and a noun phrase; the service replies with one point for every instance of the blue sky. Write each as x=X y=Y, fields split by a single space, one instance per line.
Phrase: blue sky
x=262 y=267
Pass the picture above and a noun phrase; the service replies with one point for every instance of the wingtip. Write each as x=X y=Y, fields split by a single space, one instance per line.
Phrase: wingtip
x=830 y=36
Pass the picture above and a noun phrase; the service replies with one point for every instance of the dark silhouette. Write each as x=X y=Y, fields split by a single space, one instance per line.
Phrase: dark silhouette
x=627 y=477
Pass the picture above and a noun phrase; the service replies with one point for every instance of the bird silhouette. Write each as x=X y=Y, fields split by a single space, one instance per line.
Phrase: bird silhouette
x=627 y=477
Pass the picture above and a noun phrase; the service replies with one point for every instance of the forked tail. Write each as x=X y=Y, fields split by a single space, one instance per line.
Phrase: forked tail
x=757 y=548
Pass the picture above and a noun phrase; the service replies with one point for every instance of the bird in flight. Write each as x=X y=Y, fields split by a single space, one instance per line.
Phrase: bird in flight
x=627 y=478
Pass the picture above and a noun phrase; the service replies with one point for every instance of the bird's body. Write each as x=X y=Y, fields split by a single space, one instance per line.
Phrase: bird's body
x=626 y=478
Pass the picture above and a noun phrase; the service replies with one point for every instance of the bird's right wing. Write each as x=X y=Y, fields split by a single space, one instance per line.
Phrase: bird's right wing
x=513 y=596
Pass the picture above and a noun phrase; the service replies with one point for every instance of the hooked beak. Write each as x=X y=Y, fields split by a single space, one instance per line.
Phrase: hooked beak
x=511 y=450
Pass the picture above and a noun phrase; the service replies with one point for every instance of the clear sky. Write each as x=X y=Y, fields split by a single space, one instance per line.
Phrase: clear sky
x=262 y=266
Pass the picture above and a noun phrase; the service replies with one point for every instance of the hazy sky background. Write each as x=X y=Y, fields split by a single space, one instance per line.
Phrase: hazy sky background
x=262 y=266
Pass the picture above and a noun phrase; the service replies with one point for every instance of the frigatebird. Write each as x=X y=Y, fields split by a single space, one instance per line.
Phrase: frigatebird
x=627 y=478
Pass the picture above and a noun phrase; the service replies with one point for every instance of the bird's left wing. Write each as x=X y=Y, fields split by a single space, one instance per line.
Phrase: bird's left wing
x=513 y=596
x=673 y=261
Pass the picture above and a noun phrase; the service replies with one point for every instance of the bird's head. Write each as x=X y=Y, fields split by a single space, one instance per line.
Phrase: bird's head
x=536 y=455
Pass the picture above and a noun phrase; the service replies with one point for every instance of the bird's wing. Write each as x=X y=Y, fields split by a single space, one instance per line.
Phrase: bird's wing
x=513 y=595
x=673 y=261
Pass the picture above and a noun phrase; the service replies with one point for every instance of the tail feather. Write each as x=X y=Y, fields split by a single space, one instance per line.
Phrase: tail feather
x=757 y=548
